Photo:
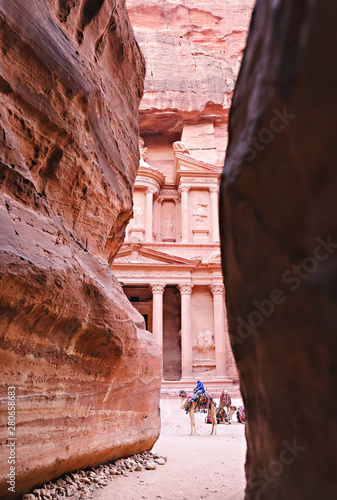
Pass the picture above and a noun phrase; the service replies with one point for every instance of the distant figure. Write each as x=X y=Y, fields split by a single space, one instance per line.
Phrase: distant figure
x=225 y=400
x=198 y=390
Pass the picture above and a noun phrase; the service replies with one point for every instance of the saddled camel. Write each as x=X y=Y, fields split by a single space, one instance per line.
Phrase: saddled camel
x=225 y=401
x=229 y=414
x=193 y=407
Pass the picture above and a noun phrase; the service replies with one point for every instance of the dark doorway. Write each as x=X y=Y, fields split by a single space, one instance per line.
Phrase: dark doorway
x=171 y=334
x=146 y=318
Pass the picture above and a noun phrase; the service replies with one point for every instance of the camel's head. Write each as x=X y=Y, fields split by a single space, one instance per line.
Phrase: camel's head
x=183 y=394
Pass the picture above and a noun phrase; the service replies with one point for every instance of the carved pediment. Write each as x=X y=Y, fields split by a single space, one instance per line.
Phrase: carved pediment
x=135 y=254
x=190 y=164
x=135 y=258
x=186 y=166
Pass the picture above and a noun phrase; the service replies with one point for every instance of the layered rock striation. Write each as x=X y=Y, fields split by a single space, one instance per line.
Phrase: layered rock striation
x=279 y=234
x=86 y=373
x=193 y=51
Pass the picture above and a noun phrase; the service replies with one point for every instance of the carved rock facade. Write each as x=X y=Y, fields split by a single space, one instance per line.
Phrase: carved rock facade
x=169 y=264
x=76 y=351
x=170 y=269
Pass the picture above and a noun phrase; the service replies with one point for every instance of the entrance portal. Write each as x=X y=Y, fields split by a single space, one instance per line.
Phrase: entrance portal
x=171 y=334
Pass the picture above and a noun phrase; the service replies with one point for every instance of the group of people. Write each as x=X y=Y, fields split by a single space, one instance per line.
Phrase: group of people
x=225 y=400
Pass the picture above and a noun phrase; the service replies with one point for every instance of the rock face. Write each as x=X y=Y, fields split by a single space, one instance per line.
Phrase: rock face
x=193 y=51
x=279 y=234
x=71 y=344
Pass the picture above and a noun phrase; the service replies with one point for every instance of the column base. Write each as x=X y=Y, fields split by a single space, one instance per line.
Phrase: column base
x=188 y=379
x=223 y=378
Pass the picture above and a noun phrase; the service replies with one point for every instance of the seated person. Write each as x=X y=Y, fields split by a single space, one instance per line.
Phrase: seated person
x=198 y=390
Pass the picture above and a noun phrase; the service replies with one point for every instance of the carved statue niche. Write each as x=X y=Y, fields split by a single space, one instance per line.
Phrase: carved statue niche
x=200 y=213
x=138 y=217
x=205 y=341
x=168 y=220
x=169 y=226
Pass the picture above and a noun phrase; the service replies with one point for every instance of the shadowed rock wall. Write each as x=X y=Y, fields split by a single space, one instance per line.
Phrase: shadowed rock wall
x=71 y=77
x=279 y=238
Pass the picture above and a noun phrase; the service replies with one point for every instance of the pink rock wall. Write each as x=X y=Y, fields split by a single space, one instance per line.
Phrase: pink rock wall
x=193 y=51
x=71 y=78
x=279 y=234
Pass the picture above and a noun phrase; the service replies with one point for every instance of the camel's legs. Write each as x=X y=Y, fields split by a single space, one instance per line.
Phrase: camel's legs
x=192 y=420
x=229 y=416
x=212 y=412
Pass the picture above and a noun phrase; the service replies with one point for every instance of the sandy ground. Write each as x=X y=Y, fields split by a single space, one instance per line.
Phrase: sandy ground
x=201 y=466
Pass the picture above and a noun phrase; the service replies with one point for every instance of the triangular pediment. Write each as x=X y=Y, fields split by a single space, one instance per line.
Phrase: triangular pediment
x=187 y=163
x=188 y=167
x=136 y=254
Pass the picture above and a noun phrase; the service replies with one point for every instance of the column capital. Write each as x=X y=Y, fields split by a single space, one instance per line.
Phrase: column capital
x=157 y=288
x=185 y=289
x=214 y=189
x=217 y=289
x=183 y=189
x=151 y=189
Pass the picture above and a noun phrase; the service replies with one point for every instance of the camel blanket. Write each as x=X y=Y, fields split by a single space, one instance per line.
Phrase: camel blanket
x=221 y=414
x=203 y=402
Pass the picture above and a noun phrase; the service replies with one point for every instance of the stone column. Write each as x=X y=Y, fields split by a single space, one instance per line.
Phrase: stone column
x=219 y=329
x=185 y=233
x=215 y=214
x=177 y=216
x=186 y=331
x=149 y=214
x=157 y=313
x=159 y=219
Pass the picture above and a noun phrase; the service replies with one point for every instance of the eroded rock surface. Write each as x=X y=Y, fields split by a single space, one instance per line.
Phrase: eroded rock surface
x=71 y=80
x=279 y=234
x=193 y=51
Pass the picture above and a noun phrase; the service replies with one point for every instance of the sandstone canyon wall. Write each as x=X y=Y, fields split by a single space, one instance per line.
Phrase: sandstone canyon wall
x=193 y=50
x=72 y=345
x=279 y=234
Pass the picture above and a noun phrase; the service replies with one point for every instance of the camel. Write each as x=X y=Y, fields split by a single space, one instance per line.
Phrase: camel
x=225 y=401
x=241 y=416
x=223 y=416
x=232 y=410
x=193 y=407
